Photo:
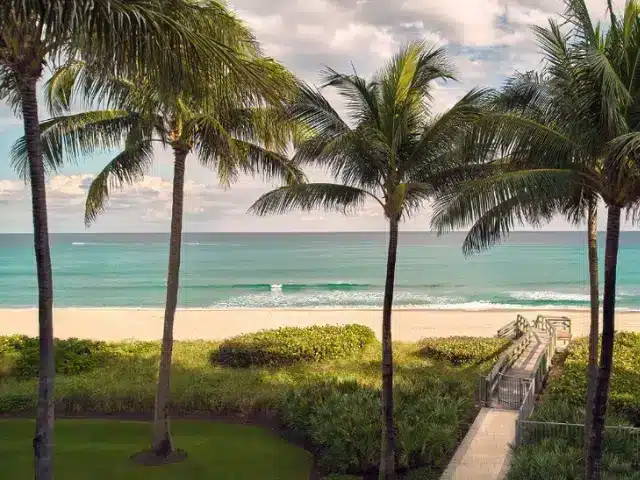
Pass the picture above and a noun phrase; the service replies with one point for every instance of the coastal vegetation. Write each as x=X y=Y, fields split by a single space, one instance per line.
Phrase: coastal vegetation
x=564 y=138
x=289 y=345
x=389 y=150
x=136 y=38
x=463 y=350
x=559 y=448
x=329 y=405
x=189 y=76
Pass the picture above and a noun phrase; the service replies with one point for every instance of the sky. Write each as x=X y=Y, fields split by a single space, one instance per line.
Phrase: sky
x=487 y=40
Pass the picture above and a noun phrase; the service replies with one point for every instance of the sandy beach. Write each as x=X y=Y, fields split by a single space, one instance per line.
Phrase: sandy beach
x=113 y=324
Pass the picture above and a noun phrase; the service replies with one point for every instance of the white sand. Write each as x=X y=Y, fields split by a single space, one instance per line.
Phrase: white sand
x=408 y=324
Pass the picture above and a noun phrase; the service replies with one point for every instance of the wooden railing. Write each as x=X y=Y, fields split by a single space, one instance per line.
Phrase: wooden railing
x=487 y=384
x=515 y=329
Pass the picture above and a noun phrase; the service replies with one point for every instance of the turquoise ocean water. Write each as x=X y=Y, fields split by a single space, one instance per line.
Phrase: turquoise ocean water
x=541 y=270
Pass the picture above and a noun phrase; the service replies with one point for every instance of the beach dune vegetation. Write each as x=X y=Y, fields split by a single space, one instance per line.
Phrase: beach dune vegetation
x=289 y=345
x=331 y=404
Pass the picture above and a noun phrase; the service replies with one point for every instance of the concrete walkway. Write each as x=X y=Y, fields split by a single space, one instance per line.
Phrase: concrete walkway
x=485 y=451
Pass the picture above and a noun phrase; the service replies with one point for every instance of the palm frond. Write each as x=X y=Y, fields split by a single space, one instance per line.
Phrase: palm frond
x=311 y=108
x=361 y=97
x=470 y=201
x=311 y=196
x=270 y=165
x=70 y=137
x=128 y=167
x=443 y=132
x=59 y=89
x=9 y=92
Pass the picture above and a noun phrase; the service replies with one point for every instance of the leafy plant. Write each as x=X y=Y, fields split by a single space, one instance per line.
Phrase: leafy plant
x=463 y=350
x=289 y=345
x=333 y=403
x=19 y=356
x=624 y=397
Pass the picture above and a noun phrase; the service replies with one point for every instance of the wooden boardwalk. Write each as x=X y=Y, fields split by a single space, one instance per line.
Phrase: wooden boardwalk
x=485 y=452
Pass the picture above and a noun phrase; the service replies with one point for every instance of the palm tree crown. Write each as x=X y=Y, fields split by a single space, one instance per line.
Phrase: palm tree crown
x=392 y=148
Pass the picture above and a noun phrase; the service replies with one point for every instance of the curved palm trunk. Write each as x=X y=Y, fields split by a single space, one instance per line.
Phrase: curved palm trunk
x=596 y=437
x=43 y=439
x=162 y=444
x=387 y=454
x=594 y=329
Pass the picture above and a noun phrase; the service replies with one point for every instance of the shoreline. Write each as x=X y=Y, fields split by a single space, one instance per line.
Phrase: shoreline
x=516 y=309
x=117 y=324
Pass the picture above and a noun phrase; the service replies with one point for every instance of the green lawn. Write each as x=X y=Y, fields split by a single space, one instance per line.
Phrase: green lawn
x=100 y=449
x=334 y=403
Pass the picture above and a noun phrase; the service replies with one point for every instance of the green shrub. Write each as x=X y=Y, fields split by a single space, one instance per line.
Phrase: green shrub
x=463 y=350
x=289 y=345
x=332 y=404
x=624 y=394
x=558 y=452
x=558 y=458
x=342 y=419
x=19 y=356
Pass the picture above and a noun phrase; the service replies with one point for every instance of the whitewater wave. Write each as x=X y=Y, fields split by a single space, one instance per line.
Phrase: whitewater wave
x=549 y=295
x=292 y=286
x=334 y=299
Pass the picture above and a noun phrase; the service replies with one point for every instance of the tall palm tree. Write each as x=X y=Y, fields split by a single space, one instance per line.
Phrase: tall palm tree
x=147 y=37
x=233 y=127
x=541 y=99
x=392 y=151
x=588 y=143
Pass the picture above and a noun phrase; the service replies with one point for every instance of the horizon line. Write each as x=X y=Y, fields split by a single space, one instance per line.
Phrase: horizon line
x=296 y=232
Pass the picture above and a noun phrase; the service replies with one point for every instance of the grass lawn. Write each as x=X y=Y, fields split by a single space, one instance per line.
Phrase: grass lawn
x=100 y=449
x=333 y=404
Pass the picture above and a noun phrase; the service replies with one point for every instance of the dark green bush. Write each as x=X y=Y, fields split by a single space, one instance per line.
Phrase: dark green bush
x=289 y=345
x=342 y=419
x=558 y=458
x=558 y=452
x=19 y=356
x=624 y=394
x=463 y=350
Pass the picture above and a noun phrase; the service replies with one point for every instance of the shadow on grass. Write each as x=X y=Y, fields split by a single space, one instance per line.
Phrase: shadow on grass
x=330 y=408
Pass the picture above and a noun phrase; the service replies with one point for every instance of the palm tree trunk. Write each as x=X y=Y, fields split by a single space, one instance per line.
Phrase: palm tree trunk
x=594 y=329
x=162 y=444
x=387 y=454
x=43 y=439
x=594 y=452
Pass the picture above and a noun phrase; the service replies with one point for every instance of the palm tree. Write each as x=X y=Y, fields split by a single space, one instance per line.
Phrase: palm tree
x=583 y=139
x=396 y=153
x=137 y=37
x=540 y=99
x=234 y=128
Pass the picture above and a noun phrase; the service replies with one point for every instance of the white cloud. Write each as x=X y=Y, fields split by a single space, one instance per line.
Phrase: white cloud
x=486 y=39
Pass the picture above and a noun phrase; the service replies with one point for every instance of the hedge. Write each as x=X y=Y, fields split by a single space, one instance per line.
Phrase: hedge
x=19 y=356
x=463 y=350
x=624 y=393
x=289 y=345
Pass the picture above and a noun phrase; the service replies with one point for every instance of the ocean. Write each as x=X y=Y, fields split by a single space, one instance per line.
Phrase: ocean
x=314 y=270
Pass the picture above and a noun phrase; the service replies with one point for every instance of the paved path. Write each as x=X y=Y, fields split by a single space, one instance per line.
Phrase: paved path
x=485 y=452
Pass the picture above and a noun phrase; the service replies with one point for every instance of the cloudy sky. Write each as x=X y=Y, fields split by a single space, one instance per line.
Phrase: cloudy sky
x=487 y=39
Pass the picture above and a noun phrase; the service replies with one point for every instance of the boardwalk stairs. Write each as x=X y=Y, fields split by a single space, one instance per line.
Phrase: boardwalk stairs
x=506 y=393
